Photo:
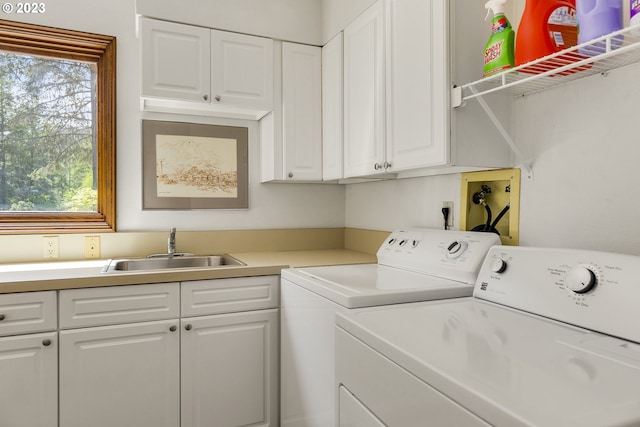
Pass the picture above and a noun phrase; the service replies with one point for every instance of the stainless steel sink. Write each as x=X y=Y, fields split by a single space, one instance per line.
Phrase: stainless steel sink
x=170 y=262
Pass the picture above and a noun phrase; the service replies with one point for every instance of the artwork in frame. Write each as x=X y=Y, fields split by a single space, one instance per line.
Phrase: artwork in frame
x=194 y=166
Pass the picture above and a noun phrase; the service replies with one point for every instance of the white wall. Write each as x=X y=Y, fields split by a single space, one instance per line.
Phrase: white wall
x=584 y=141
x=336 y=14
x=388 y=205
x=271 y=205
x=583 y=138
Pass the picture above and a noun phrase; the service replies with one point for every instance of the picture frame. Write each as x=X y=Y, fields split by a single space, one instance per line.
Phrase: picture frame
x=187 y=166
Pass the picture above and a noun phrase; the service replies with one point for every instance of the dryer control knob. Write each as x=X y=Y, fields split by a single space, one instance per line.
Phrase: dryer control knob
x=498 y=265
x=456 y=249
x=581 y=279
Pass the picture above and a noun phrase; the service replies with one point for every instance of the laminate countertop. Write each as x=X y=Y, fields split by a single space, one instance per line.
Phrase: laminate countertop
x=84 y=274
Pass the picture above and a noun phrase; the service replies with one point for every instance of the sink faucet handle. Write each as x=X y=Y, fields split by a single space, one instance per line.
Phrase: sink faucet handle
x=171 y=243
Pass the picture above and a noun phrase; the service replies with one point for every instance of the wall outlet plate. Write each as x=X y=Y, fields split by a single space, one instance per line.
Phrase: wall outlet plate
x=449 y=205
x=92 y=247
x=51 y=247
x=505 y=190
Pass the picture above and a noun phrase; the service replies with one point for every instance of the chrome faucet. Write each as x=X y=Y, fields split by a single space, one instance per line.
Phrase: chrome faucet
x=171 y=243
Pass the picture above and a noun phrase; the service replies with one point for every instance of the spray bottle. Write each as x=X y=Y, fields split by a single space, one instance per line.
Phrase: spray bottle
x=499 y=50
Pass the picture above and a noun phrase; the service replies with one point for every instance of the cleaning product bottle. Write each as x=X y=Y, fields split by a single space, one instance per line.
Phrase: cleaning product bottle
x=546 y=27
x=634 y=15
x=597 y=18
x=499 y=51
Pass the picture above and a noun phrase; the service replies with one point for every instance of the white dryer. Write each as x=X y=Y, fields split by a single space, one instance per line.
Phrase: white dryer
x=413 y=265
x=549 y=338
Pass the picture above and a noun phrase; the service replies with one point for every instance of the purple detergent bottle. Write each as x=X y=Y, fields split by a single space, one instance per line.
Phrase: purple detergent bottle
x=597 y=18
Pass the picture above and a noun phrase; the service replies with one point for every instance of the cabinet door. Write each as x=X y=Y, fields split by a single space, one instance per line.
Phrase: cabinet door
x=241 y=70
x=122 y=375
x=302 y=111
x=29 y=380
x=229 y=367
x=332 y=147
x=364 y=93
x=175 y=60
x=417 y=88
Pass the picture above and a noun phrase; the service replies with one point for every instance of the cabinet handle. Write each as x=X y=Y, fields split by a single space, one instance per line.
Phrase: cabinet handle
x=377 y=166
x=386 y=165
x=188 y=326
x=2 y=317
x=205 y=97
x=290 y=174
x=217 y=98
x=46 y=343
x=173 y=328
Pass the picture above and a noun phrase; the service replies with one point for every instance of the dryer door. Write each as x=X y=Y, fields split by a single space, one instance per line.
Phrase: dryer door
x=353 y=413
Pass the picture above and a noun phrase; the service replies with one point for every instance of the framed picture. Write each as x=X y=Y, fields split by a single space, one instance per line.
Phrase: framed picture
x=194 y=166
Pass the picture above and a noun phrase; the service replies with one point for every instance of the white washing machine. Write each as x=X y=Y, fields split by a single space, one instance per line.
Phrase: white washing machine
x=413 y=265
x=549 y=338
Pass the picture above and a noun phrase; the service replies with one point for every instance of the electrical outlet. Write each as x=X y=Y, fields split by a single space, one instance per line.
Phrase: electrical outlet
x=51 y=247
x=450 y=218
x=92 y=247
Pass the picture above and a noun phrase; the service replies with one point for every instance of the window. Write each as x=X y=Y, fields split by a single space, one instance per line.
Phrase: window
x=57 y=130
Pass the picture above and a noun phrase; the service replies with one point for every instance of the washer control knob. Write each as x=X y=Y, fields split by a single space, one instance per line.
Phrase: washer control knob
x=456 y=249
x=498 y=265
x=581 y=279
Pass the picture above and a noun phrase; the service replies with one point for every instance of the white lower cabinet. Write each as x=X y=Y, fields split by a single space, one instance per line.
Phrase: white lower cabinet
x=128 y=360
x=229 y=370
x=29 y=380
x=28 y=359
x=122 y=356
x=124 y=375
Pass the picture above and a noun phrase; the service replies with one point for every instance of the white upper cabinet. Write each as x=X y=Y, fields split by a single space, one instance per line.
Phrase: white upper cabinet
x=332 y=147
x=417 y=92
x=302 y=111
x=364 y=94
x=291 y=146
x=217 y=73
x=175 y=61
x=400 y=63
x=242 y=70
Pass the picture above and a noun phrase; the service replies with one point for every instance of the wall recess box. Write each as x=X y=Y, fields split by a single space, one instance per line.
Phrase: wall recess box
x=504 y=190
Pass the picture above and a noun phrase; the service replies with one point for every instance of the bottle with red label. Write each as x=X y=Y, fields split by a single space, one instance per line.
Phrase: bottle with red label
x=546 y=27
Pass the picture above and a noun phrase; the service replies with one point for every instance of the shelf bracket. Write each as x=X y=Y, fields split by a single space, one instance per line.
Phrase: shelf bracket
x=456 y=97
x=526 y=165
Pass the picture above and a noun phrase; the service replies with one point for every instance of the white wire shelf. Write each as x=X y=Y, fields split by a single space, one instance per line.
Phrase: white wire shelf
x=609 y=52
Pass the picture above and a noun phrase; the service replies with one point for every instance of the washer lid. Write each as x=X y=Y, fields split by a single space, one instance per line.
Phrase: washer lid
x=508 y=367
x=365 y=285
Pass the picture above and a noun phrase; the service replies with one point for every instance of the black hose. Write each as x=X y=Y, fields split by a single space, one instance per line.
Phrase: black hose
x=489 y=226
x=486 y=226
x=501 y=214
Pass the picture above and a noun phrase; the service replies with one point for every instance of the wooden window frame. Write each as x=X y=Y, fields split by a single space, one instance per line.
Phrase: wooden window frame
x=100 y=50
